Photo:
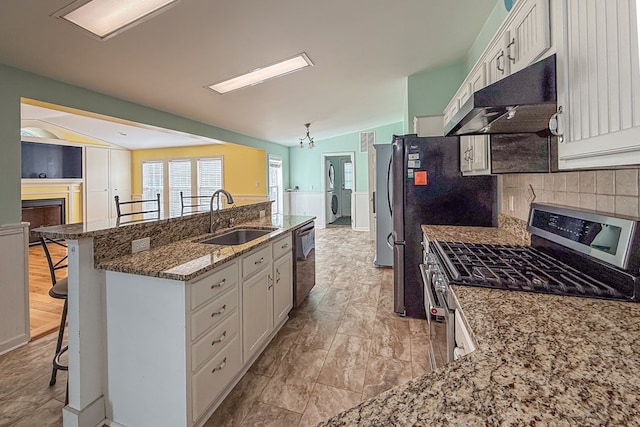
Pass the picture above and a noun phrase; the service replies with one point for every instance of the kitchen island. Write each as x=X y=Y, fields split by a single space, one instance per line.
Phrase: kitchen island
x=149 y=312
x=540 y=360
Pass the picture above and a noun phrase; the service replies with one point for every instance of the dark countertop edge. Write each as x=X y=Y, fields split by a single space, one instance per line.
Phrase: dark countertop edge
x=109 y=265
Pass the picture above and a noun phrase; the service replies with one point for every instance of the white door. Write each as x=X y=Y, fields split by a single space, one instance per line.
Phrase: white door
x=96 y=180
x=276 y=186
x=282 y=288
x=119 y=177
x=346 y=172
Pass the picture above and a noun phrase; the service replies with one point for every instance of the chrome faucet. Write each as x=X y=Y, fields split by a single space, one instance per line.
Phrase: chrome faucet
x=211 y=211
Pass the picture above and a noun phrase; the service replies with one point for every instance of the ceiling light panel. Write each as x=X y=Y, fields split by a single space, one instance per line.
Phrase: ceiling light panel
x=261 y=74
x=106 y=18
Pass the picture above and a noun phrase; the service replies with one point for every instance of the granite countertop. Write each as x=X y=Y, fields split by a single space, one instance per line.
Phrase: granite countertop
x=540 y=360
x=187 y=259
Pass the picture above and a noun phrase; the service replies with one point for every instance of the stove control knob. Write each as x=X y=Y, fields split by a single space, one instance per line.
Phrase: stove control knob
x=439 y=282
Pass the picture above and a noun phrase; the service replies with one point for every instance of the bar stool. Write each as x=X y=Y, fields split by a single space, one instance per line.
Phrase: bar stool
x=58 y=290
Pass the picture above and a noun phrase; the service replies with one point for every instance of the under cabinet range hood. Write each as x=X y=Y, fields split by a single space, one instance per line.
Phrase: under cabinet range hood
x=522 y=102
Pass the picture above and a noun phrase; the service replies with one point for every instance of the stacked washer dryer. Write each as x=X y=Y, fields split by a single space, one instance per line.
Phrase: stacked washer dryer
x=332 y=199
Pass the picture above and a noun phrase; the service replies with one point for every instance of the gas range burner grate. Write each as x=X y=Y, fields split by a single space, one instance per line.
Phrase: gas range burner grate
x=517 y=268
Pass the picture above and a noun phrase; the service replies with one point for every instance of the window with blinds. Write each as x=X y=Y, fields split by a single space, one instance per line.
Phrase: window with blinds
x=179 y=181
x=209 y=176
x=152 y=183
x=348 y=176
x=192 y=177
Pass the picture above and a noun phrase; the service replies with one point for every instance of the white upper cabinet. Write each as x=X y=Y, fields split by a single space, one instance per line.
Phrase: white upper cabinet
x=528 y=34
x=600 y=119
x=475 y=155
x=523 y=38
x=496 y=61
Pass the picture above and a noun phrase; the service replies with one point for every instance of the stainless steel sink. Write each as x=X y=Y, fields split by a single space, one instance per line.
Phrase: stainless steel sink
x=236 y=237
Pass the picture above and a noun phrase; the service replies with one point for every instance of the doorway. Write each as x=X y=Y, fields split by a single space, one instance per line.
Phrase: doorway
x=276 y=185
x=338 y=185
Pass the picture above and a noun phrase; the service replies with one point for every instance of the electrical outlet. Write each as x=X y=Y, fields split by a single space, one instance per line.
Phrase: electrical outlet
x=512 y=204
x=262 y=213
x=140 y=245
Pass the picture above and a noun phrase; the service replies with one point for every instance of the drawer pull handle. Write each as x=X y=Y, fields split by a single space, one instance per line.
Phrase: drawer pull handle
x=260 y=261
x=285 y=246
x=222 y=338
x=277 y=275
x=215 y=313
x=270 y=282
x=219 y=284
x=221 y=367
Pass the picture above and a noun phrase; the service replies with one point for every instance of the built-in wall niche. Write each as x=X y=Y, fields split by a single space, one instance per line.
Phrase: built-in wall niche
x=51 y=161
x=42 y=213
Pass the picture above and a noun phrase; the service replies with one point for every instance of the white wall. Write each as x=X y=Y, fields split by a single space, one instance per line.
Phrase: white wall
x=14 y=285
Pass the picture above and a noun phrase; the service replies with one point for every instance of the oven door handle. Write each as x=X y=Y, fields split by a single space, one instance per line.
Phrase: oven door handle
x=434 y=308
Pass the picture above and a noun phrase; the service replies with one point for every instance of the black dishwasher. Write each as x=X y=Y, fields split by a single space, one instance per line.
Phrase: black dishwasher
x=304 y=267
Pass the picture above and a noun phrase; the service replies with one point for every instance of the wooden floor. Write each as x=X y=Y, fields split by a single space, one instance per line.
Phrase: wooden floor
x=44 y=311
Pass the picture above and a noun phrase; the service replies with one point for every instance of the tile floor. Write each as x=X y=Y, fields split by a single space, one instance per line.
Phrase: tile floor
x=343 y=345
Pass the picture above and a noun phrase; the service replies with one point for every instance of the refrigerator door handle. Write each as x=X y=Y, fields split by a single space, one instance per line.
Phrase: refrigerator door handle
x=374 y=201
x=390 y=240
x=389 y=185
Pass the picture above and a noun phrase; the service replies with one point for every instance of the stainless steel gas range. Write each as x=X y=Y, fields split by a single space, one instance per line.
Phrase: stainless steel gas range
x=573 y=252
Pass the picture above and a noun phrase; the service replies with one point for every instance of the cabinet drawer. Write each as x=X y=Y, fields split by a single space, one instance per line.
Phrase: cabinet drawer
x=256 y=261
x=221 y=280
x=214 y=376
x=282 y=246
x=213 y=313
x=215 y=340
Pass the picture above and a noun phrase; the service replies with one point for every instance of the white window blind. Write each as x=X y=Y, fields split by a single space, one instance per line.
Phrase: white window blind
x=179 y=180
x=348 y=176
x=152 y=183
x=209 y=176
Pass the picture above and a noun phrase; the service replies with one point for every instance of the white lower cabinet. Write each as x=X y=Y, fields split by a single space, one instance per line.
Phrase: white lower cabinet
x=175 y=349
x=282 y=279
x=267 y=295
x=257 y=318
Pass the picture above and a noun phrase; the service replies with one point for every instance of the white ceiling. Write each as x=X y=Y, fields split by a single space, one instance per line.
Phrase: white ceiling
x=363 y=50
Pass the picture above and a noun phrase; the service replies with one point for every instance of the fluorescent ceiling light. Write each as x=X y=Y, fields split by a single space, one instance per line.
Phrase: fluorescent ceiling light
x=264 y=73
x=105 y=18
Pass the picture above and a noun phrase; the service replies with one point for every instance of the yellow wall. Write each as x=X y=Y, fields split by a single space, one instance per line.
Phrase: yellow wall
x=243 y=167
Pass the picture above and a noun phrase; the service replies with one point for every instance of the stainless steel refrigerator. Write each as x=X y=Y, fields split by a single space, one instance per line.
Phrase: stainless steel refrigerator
x=427 y=187
x=382 y=207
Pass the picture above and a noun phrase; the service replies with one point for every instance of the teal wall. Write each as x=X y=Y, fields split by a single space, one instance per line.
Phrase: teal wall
x=430 y=91
x=15 y=83
x=306 y=165
x=498 y=14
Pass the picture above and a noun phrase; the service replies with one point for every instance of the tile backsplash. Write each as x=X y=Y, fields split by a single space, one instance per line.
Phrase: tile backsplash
x=613 y=191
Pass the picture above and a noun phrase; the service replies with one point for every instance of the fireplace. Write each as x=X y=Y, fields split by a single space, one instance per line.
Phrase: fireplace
x=42 y=212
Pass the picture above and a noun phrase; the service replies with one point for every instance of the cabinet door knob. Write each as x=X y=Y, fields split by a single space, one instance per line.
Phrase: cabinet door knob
x=222 y=338
x=219 y=284
x=512 y=43
x=501 y=69
x=216 y=313
x=221 y=367
x=555 y=125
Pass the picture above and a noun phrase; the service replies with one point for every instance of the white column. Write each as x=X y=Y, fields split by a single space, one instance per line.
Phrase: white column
x=86 y=338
